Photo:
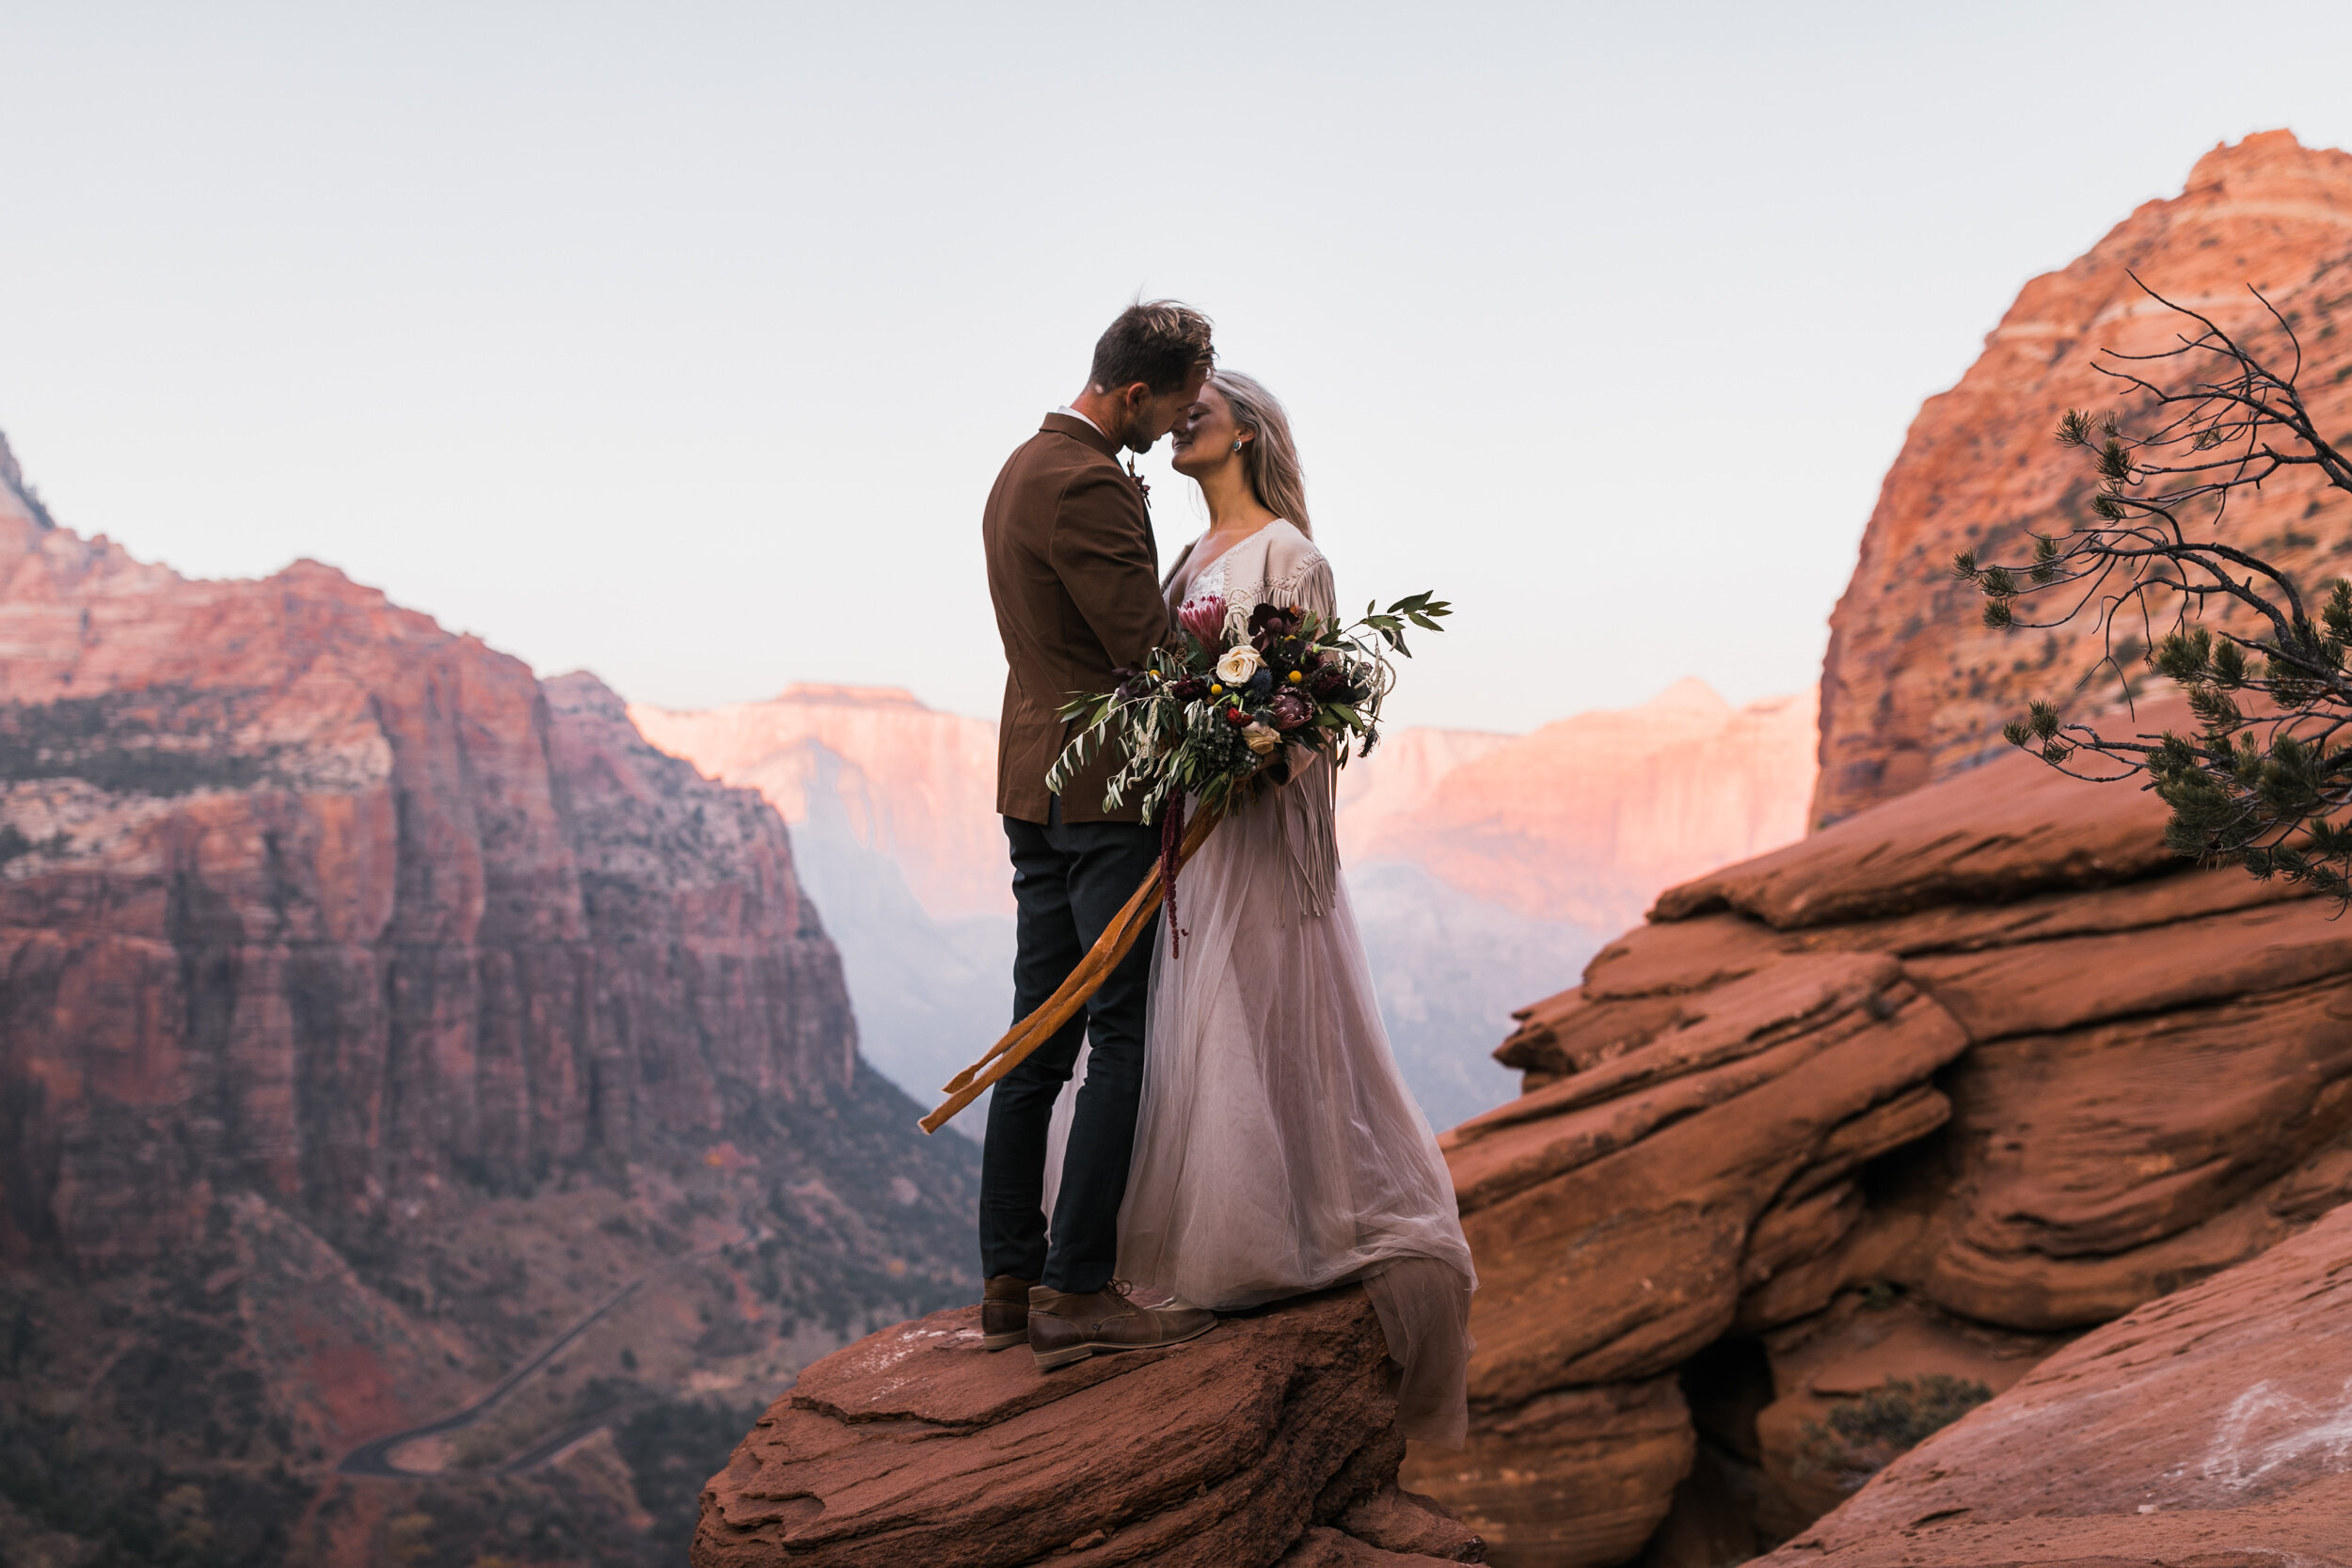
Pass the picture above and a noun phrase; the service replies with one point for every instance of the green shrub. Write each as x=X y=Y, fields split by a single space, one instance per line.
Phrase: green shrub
x=1870 y=1432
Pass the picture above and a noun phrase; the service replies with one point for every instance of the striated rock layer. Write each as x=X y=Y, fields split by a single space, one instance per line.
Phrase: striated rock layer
x=1271 y=1440
x=1481 y=866
x=372 y=1015
x=1914 y=687
x=1584 y=820
x=909 y=783
x=1922 y=1095
x=2206 y=1427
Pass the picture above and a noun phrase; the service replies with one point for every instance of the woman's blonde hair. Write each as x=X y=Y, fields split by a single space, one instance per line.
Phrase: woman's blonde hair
x=1270 y=457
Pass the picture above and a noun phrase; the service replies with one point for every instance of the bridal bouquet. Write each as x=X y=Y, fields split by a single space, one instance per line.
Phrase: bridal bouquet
x=1206 y=716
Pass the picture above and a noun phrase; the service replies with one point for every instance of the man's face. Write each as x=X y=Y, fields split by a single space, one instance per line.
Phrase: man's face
x=1151 y=416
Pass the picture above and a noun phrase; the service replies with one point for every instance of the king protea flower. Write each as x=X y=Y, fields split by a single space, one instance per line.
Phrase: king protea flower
x=1204 y=617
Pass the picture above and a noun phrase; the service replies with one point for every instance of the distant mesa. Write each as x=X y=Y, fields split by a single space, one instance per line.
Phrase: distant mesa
x=853 y=696
x=1481 y=866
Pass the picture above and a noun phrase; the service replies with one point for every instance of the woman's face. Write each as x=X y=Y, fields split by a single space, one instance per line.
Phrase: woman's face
x=1204 y=434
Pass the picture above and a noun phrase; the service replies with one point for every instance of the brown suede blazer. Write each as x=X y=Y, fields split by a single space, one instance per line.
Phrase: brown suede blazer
x=1073 y=572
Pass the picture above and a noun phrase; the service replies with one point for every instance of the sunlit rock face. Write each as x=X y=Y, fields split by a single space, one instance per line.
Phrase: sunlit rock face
x=1481 y=866
x=2214 y=1418
x=1586 y=818
x=1974 y=1067
x=916 y=786
x=372 y=1013
x=1923 y=1095
x=1914 y=687
x=1268 y=1443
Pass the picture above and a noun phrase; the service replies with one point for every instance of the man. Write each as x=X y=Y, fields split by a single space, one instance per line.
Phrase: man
x=1073 y=572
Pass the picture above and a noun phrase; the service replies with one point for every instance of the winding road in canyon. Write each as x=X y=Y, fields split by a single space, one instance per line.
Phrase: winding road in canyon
x=374 y=1457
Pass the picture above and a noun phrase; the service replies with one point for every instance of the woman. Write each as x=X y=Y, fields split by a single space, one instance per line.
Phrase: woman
x=1277 y=1150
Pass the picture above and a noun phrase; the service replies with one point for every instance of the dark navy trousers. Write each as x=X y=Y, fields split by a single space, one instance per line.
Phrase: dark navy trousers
x=1069 y=881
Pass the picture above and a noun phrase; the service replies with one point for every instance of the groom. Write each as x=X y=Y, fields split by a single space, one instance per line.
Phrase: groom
x=1073 y=572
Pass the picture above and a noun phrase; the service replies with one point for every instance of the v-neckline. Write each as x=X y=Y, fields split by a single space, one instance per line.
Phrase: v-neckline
x=1202 y=570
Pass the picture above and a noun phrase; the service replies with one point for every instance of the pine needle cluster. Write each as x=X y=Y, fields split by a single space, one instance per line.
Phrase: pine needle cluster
x=2265 y=780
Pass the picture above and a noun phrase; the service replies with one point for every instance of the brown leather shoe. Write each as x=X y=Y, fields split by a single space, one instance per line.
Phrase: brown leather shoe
x=1005 y=1311
x=1066 y=1327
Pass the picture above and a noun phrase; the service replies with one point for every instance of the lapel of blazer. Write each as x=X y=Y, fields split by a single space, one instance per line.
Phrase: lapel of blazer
x=1082 y=432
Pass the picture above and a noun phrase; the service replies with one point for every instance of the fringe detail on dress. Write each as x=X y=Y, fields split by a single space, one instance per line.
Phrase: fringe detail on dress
x=1171 y=859
x=1310 y=837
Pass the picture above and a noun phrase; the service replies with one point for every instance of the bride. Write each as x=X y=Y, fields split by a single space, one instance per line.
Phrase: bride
x=1277 y=1151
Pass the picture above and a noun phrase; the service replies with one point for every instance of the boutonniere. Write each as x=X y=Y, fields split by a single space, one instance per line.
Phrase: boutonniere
x=1141 y=488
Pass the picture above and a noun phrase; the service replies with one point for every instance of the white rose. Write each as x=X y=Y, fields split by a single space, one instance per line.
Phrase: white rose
x=1261 y=739
x=1238 y=664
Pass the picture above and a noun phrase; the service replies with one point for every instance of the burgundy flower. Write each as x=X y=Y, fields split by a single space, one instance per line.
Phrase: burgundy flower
x=1190 y=687
x=1204 y=617
x=1236 y=717
x=1326 y=683
x=1288 y=710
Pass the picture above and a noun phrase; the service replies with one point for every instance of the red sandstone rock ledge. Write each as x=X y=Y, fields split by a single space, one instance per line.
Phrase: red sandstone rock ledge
x=2212 y=1427
x=1270 y=1441
x=1923 y=1095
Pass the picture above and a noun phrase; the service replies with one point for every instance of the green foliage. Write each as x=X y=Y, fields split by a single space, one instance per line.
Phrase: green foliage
x=2263 y=781
x=671 y=1450
x=162 y=741
x=1179 y=730
x=1866 y=1433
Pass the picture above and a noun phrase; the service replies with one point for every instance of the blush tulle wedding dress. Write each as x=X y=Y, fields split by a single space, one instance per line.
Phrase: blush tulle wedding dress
x=1277 y=1151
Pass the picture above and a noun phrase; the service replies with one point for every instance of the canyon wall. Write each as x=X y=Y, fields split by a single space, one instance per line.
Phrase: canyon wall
x=1919 y=1098
x=919 y=786
x=371 y=1013
x=1587 y=818
x=1914 y=687
x=1481 y=866
x=1846 y=1137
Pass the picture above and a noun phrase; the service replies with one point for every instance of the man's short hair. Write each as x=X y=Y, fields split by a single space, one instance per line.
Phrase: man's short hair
x=1156 y=341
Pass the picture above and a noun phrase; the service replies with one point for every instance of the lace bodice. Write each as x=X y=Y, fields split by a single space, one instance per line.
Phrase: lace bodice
x=1278 y=562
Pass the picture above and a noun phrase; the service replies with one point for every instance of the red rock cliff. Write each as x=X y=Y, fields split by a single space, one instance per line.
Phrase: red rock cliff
x=377 y=1020
x=1916 y=1097
x=309 y=895
x=1914 y=687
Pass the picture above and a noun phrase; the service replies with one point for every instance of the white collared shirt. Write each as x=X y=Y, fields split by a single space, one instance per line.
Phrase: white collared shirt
x=1106 y=436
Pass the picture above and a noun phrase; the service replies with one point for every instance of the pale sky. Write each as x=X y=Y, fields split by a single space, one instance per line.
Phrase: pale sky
x=682 y=341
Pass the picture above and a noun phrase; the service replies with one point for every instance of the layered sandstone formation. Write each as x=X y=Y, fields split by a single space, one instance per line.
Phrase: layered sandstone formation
x=1582 y=821
x=372 y=1015
x=1914 y=687
x=1585 y=820
x=1271 y=1440
x=1920 y=1094
x=1482 y=865
x=909 y=783
x=2207 y=1427
x=312 y=896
